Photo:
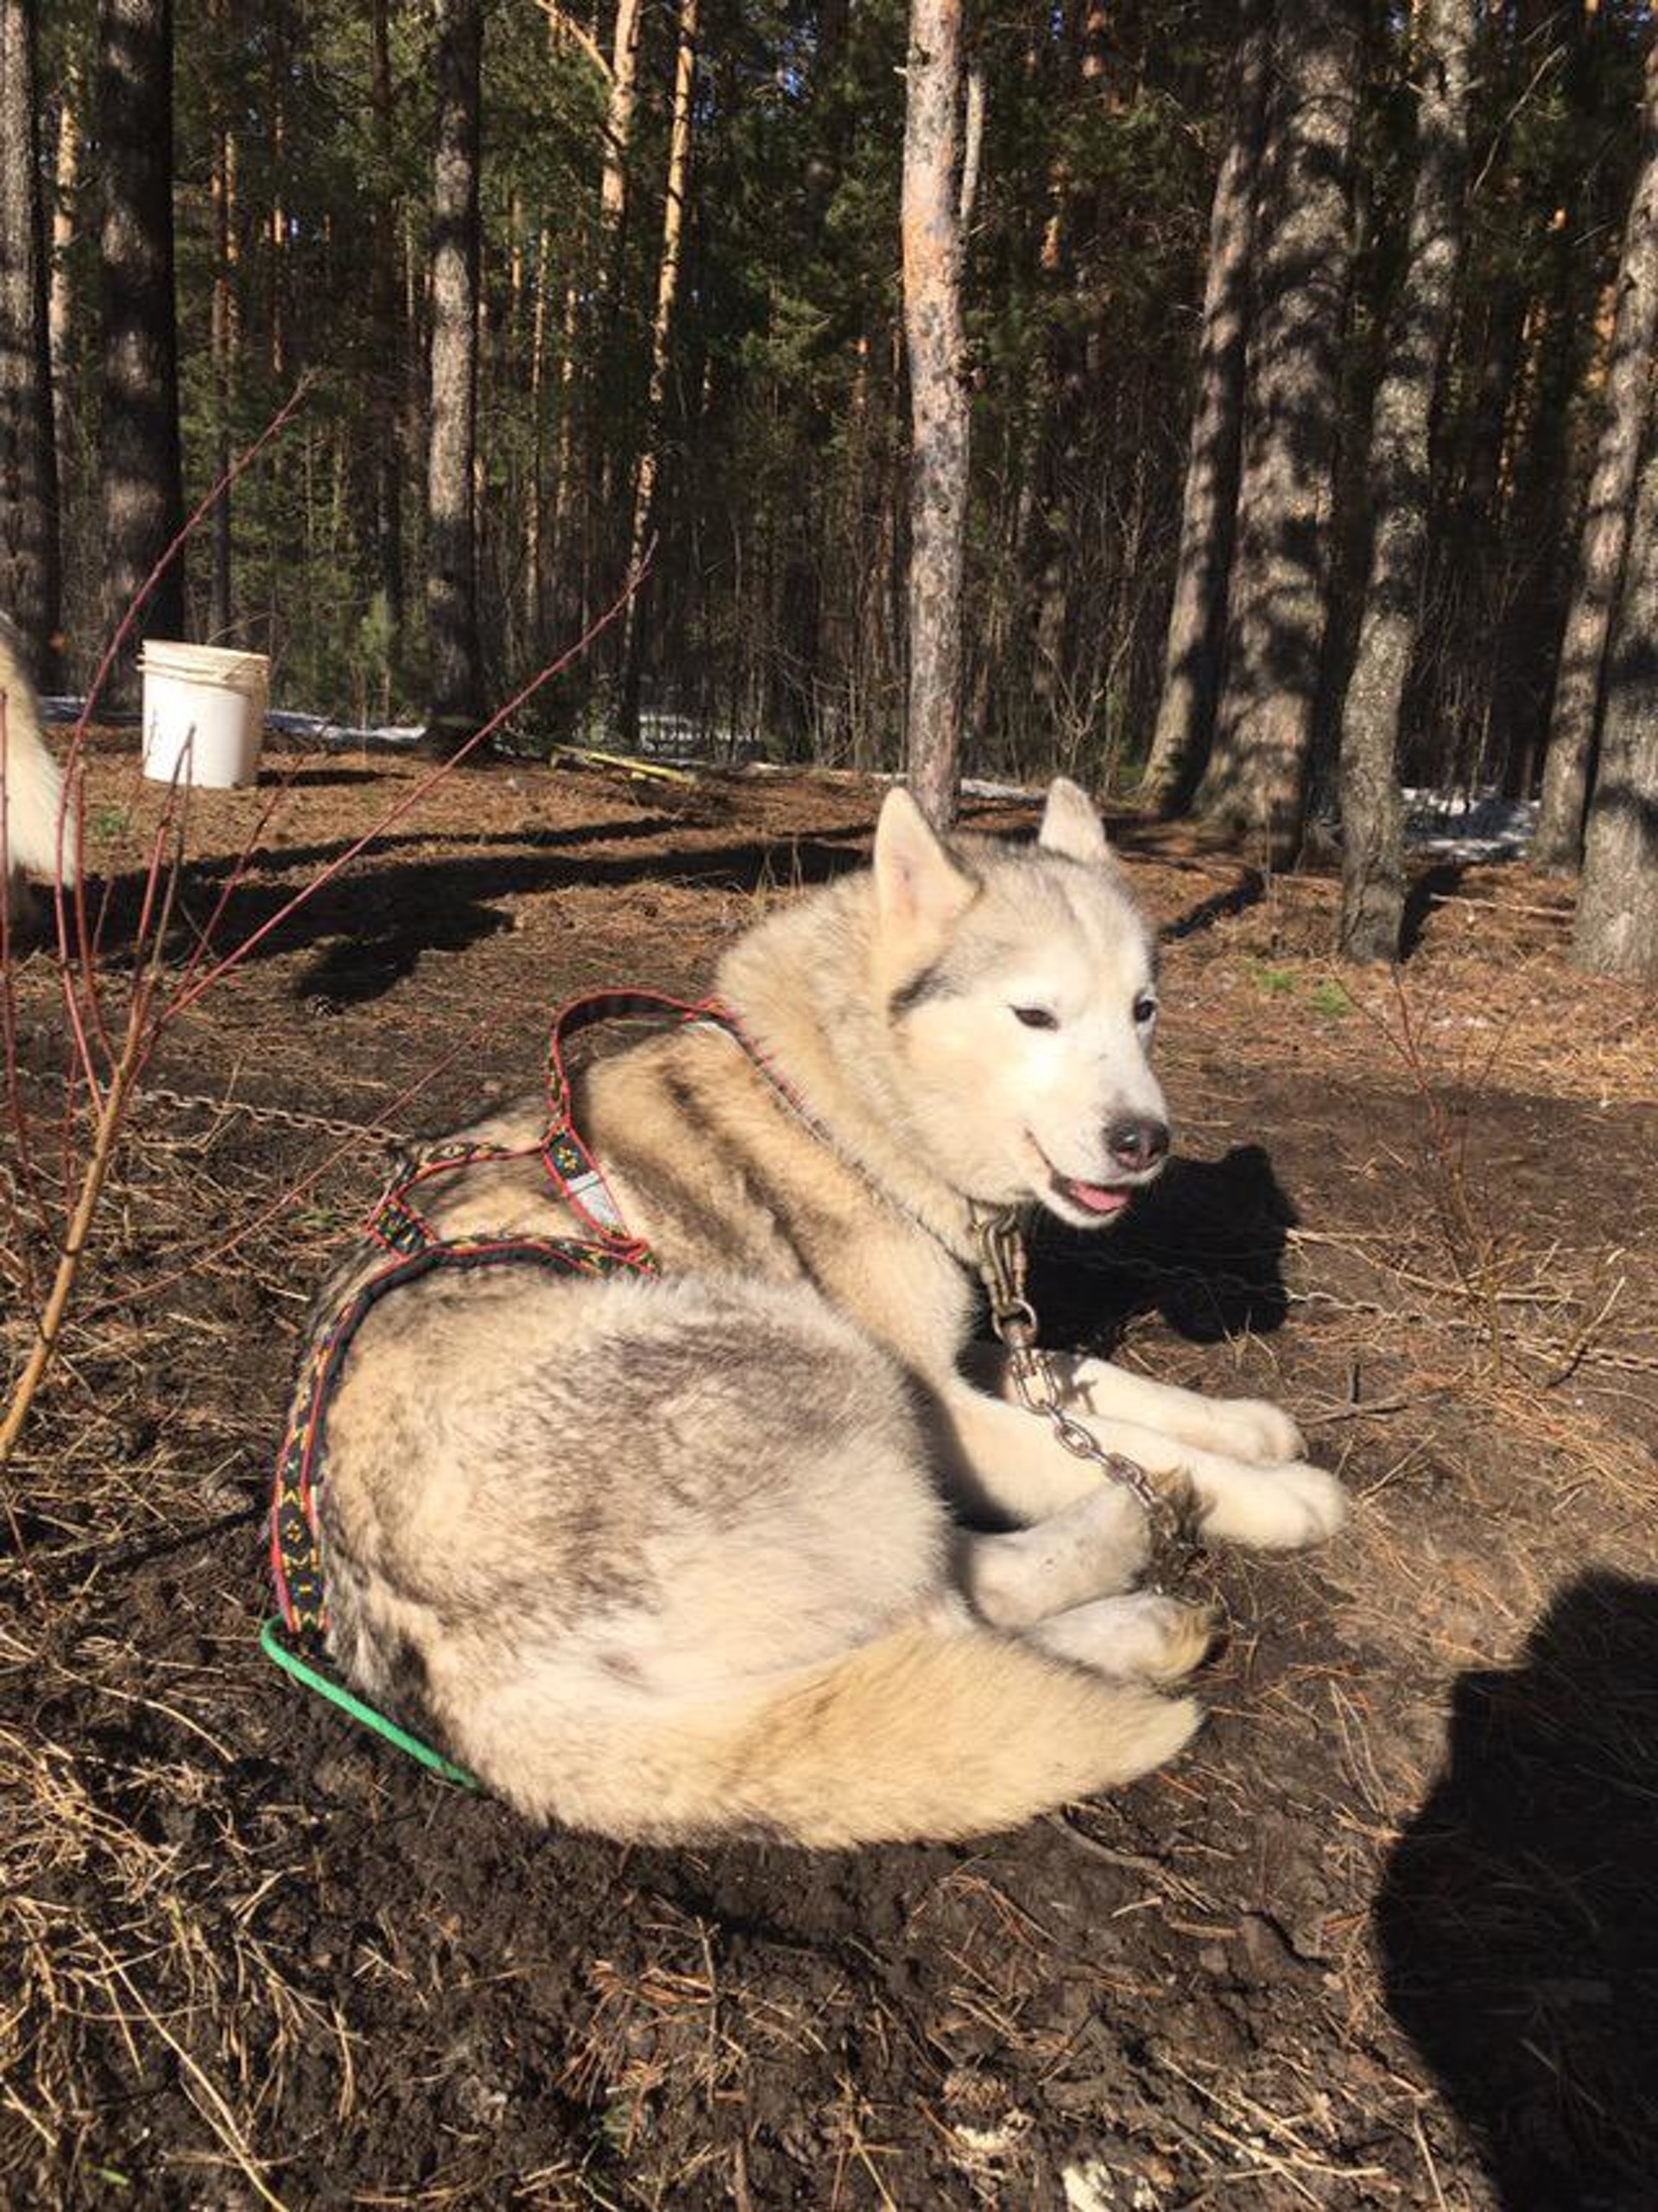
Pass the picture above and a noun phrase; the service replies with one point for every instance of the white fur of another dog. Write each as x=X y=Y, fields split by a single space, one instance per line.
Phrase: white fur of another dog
x=33 y=838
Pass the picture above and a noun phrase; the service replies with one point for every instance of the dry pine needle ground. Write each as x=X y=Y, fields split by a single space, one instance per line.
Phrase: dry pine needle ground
x=1383 y=1938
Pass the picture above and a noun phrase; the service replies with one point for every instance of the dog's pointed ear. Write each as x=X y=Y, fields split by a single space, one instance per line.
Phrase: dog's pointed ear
x=916 y=879
x=1070 y=826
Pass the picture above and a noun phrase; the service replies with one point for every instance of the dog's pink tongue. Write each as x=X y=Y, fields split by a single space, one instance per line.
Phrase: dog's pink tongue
x=1096 y=1197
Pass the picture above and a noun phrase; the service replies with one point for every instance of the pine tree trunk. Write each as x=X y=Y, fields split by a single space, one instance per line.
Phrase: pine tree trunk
x=65 y=175
x=30 y=572
x=384 y=378
x=536 y=505
x=221 y=332
x=276 y=226
x=142 y=469
x=661 y=328
x=1624 y=404
x=1616 y=933
x=1059 y=392
x=1372 y=808
x=451 y=544
x=939 y=402
x=1197 y=619
x=1256 y=781
x=618 y=135
x=563 y=502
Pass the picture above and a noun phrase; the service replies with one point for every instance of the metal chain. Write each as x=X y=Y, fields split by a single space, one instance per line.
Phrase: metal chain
x=288 y=1117
x=1002 y=1270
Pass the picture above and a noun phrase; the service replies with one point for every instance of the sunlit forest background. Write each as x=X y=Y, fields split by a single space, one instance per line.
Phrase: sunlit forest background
x=302 y=202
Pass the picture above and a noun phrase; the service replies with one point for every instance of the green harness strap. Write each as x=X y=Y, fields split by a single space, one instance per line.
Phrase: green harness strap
x=413 y=1247
x=271 y=1644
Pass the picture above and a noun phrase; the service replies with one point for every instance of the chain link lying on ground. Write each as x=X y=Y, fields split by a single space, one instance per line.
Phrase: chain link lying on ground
x=287 y=1117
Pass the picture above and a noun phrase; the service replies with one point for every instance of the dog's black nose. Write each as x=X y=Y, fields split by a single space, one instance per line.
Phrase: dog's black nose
x=1136 y=1142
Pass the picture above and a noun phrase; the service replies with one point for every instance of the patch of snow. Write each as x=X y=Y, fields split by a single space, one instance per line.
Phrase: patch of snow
x=318 y=729
x=684 y=742
x=321 y=730
x=1468 y=824
x=977 y=786
x=993 y=2142
x=57 y=706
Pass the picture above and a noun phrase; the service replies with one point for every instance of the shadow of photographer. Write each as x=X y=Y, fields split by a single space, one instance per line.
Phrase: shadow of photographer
x=1517 y=1919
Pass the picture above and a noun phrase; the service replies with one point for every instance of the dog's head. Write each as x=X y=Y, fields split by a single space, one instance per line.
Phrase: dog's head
x=1020 y=984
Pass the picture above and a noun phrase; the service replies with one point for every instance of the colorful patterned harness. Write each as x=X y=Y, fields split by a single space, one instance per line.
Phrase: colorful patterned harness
x=416 y=1248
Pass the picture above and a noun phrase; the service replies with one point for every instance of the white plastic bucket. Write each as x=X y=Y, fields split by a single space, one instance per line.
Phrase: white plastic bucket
x=203 y=713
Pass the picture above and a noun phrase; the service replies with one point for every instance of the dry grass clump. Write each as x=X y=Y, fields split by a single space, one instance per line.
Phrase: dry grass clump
x=159 y=1990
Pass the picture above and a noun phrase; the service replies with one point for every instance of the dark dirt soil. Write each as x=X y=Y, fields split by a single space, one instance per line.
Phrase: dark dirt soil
x=1389 y=1935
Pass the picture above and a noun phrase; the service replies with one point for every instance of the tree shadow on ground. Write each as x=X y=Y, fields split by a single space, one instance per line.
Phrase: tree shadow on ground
x=1426 y=892
x=1220 y=906
x=1517 y=1920
x=371 y=924
x=397 y=900
x=277 y=776
x=1203 y=1248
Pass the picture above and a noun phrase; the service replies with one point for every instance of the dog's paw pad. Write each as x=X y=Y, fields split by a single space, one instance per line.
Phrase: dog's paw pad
x=1254 y=1429
x=1304 y=1505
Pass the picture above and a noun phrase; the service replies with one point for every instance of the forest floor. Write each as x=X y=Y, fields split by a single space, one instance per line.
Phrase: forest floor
x=1387 y=1934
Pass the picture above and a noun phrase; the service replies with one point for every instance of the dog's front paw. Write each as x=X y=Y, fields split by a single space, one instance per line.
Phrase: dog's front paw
x=1253 y=1428
x=1275 y=1508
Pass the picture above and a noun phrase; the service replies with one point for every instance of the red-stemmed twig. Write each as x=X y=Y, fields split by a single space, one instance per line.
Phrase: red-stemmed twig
x=151 y=1011
x=89 y=941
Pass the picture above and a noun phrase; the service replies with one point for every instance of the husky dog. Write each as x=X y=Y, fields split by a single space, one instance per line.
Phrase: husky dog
x=741 y=1549
x=31 y=791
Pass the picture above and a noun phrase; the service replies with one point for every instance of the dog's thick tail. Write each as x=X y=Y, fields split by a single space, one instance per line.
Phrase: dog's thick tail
x=33 y=790
x=937 y=1730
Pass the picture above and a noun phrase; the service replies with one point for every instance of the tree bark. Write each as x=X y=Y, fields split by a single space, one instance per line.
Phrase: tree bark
x=222 y=332
x=1256 y=781
x=939 y=400
x=1616 y=933
x=562 y=504
x=276 y=228
x=536 y=505
x=142 y=468
x=661 y=328
x=65 y=176
x=1372 y=807
x=1625 y=401
x=451 y=544
x=30 y=570
x=1197 y=619
x=618 y=135
x=384 y=377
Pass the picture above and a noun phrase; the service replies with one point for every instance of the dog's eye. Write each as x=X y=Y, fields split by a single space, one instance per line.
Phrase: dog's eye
x=1145 y=1010
x=1035 y=1017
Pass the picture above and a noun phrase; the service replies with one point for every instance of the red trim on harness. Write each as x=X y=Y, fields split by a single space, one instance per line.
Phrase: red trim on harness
x=402 y=1231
